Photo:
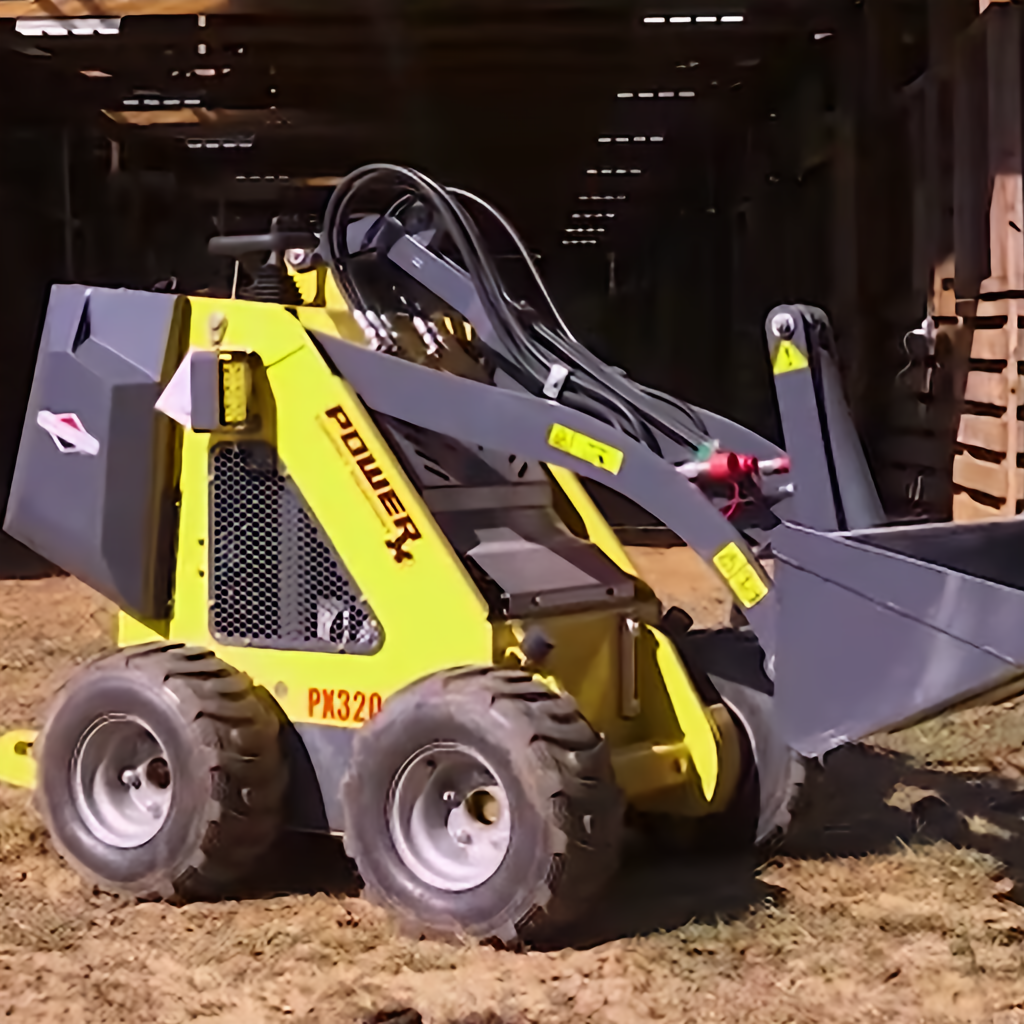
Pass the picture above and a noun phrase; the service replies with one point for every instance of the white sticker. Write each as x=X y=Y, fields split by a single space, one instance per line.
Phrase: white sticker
x=68 y=433
x=176 y=400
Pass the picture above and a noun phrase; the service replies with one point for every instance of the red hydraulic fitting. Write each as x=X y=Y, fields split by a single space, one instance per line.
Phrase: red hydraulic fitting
x=720 y=468
x=729 y=467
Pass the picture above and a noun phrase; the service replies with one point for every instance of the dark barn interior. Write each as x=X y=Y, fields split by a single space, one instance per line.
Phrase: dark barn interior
x=677 y=168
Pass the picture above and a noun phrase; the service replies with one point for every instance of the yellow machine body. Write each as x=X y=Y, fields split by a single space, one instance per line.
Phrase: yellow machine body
x=671 y=753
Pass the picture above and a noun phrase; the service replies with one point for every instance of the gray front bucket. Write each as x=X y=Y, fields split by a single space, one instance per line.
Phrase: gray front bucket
x=878 y=628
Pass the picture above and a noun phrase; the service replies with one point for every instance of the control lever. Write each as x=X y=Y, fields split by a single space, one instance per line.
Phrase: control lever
x=271 y=283
x=278 y=240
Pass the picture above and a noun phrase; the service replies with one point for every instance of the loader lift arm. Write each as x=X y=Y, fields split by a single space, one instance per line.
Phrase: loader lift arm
x=534 y=428
x=859 y=635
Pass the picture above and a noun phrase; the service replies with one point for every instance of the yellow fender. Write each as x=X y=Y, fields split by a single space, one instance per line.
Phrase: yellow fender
x=17 y=765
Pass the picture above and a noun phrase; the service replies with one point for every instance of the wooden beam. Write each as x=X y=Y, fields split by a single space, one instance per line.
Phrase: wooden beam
x=993 y=344
x=966 y=509
x=1004 y=30
x=988 y=432
x=128 y=8
x=125 y=8
x=986 y=388
x=216 y=118
x=990 y=478
x=971 y=179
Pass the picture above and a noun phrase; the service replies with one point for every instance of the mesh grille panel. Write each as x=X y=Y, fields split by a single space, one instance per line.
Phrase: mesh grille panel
x=276 y=580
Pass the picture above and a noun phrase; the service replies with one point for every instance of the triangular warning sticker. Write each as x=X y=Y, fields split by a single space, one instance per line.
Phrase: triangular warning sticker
x=788 y=357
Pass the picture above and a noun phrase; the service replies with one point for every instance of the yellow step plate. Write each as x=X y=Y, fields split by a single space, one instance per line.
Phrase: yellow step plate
x=17 y=766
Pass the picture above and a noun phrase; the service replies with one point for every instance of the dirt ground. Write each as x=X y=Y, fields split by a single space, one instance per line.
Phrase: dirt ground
x=894 y=899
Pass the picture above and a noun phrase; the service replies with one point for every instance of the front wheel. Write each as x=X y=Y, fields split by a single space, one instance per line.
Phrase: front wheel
x=481 y=803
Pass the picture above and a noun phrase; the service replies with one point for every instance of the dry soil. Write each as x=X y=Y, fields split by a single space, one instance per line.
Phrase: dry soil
x=894 y=899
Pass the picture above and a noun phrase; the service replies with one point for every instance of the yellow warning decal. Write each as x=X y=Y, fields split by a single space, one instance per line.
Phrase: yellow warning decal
x=742 y=577
x=604 y=456
x=787 y=358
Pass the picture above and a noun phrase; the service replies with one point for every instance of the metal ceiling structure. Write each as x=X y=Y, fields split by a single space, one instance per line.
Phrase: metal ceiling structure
x=754 y=153
x=508 y=99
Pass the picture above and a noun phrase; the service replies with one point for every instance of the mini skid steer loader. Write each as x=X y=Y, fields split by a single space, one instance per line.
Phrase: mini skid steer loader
x=365 y=590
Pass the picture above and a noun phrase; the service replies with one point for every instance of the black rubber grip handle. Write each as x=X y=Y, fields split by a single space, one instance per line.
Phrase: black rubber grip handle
x=276 y=241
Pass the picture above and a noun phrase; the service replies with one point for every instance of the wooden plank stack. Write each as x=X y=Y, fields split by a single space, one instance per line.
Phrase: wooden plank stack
x=987 y=475
x=990 y=436
x=955 y=444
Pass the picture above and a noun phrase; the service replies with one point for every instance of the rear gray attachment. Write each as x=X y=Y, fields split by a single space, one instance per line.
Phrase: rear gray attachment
x=93 y=488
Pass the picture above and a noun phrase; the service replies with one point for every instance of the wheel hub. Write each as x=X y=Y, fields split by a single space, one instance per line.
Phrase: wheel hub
x=449 y=817
x=121 y=781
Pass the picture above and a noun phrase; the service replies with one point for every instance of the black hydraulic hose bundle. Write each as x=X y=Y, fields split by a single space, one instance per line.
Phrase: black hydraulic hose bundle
x=542 y=357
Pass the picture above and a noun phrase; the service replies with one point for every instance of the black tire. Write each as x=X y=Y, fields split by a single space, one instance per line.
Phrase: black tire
x=730 y=663
x=554 y=776
x=765 y=801
x=218 y=774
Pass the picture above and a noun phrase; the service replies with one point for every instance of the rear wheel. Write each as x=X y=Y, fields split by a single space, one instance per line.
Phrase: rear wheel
x=481 y=803
x=160 y=772
x=772 y=773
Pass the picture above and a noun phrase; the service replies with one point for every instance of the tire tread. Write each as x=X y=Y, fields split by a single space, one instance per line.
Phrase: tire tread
x=227 y=717
x=571 y=769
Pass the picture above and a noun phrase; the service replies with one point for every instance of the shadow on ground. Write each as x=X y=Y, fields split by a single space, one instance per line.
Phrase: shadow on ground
x=303 y=863
x=864 y=801
x=656 y=891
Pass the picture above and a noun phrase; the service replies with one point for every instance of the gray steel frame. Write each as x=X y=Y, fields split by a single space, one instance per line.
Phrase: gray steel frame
x=834 y=489
x=509 y=421
x=455 y=287
x=866 y=628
